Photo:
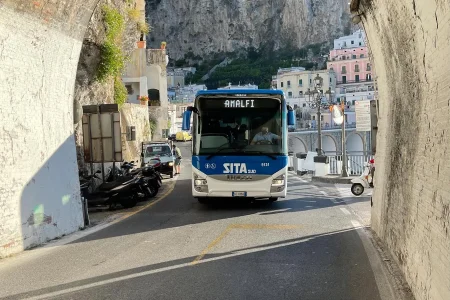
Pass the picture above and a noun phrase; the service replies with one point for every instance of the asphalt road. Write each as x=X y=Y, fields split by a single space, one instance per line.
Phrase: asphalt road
x=307 y=246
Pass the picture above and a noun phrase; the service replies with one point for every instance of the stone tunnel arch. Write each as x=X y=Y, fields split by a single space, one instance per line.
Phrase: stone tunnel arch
x=41 y=43
x=408 y=42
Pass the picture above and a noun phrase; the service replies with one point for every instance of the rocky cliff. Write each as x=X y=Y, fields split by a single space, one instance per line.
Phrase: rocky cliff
x=208 y=26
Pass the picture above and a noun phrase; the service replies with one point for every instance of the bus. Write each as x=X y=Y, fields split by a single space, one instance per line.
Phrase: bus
x=239 y=144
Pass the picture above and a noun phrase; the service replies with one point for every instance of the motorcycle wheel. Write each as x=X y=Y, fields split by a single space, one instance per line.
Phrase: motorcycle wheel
x=151 y=191
x=129 y=202
x=357 y=189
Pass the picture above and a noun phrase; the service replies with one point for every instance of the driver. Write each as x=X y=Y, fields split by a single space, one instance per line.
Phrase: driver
x=265 y=136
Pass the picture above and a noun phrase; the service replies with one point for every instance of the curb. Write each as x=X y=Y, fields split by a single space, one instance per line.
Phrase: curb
x=332 y=179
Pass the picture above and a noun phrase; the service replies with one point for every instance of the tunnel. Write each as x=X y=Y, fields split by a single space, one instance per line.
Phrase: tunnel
x=40 y=44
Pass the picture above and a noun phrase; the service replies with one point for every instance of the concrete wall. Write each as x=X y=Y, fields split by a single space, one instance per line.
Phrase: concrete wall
x=40 y=42
x=134 y=115
x=156 y=73
x=410 y=45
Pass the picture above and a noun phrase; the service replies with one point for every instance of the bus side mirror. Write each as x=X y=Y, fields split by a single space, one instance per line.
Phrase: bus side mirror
x=290 y=116
x=187 y=120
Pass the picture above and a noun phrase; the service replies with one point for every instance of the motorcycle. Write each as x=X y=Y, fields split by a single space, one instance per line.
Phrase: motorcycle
x=362 y=182
x=122 y=191
x=150 y=180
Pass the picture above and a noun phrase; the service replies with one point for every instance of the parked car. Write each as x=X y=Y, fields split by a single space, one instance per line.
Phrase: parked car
x=160 y=151
x=183 y=136
x=172 y=137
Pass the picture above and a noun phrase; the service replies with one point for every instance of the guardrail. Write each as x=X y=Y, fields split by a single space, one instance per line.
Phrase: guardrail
x=355 y=164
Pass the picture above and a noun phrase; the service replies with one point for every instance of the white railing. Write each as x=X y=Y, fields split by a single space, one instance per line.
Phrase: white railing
x=355 y=164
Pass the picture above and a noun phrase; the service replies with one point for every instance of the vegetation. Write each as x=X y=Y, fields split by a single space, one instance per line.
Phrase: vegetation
x=255 y=66
x=112 y=57
x=143 y=27
x=134 y=14
x=153 y=125
x=120 y=92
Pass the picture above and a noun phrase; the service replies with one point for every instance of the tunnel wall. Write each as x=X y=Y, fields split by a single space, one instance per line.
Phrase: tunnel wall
x=410 y=45
x=40 y=43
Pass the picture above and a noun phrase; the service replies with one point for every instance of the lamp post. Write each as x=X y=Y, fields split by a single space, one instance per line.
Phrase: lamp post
x=315 y=101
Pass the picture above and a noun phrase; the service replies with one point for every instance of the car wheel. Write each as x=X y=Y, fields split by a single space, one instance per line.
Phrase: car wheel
x=357 y=189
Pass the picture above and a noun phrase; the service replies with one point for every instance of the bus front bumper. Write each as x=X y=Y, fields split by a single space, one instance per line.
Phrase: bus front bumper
x=272 y=187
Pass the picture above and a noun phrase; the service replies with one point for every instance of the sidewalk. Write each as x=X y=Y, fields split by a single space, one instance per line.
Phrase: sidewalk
x=334 y=179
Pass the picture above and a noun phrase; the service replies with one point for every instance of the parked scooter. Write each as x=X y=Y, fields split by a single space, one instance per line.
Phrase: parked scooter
x=150 y=179
x=364 y=181
x=122 y=191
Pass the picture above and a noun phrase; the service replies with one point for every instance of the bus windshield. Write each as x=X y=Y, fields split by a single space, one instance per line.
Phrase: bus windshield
x=238 y=127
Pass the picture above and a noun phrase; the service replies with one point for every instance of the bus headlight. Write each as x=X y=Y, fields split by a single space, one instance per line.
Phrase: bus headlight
x=200 y=184
x=278 y=184
x=278 y=181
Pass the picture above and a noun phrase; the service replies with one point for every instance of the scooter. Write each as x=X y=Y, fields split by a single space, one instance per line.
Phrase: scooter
x=150 y=179
x=121 y=191
x=364 y=181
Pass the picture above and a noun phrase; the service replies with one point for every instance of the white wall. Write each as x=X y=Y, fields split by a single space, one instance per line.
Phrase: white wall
x=39 y=187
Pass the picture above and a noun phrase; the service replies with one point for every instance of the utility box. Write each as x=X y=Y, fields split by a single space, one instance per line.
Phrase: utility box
x=131 y=133
x=101 y=133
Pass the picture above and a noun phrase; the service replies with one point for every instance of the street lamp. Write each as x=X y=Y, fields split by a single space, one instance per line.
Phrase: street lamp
x=316 y=101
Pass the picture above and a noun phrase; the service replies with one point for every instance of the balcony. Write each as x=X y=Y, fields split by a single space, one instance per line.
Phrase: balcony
x=344 y=71
x=354 y=81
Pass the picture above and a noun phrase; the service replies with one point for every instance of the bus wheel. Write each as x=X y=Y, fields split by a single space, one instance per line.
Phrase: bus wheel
x=273 y=199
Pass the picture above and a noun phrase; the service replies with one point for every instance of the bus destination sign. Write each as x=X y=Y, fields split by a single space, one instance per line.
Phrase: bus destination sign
x=239 y=103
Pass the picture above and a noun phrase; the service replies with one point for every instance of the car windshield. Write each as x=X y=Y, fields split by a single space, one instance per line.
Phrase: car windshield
x=157 y=150
x=239 y=127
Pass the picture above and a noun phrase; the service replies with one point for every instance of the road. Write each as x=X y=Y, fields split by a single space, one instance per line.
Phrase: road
x=307 y=246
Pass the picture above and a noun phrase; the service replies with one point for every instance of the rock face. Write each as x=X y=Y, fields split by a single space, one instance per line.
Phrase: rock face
x=409 y=41
x=208 y=26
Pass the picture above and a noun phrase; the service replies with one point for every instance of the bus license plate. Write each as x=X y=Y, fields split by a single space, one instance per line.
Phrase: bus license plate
x=239 y=194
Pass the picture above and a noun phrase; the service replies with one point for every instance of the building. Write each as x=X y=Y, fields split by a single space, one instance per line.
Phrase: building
x=351 y=63
x=295 y=82
x=357 y=39
x=145 y=75
x=175 y=78
x=184 y=94
x=239 y=87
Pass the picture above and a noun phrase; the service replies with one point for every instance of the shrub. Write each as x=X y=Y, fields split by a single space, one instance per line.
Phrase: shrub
x=134 y=14
x=112 y=59
x=143 y=27
x=120 y=92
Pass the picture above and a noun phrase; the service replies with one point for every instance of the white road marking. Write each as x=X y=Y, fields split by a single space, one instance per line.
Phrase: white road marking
x=356 y=224
x=324 y=193
x=165 y=269
x=345 y=211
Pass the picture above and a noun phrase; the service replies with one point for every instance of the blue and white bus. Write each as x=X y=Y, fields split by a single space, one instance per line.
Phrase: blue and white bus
x=239 y=144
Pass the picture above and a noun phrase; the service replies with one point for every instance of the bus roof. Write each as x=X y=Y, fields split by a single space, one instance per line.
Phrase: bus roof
x=228 y=92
